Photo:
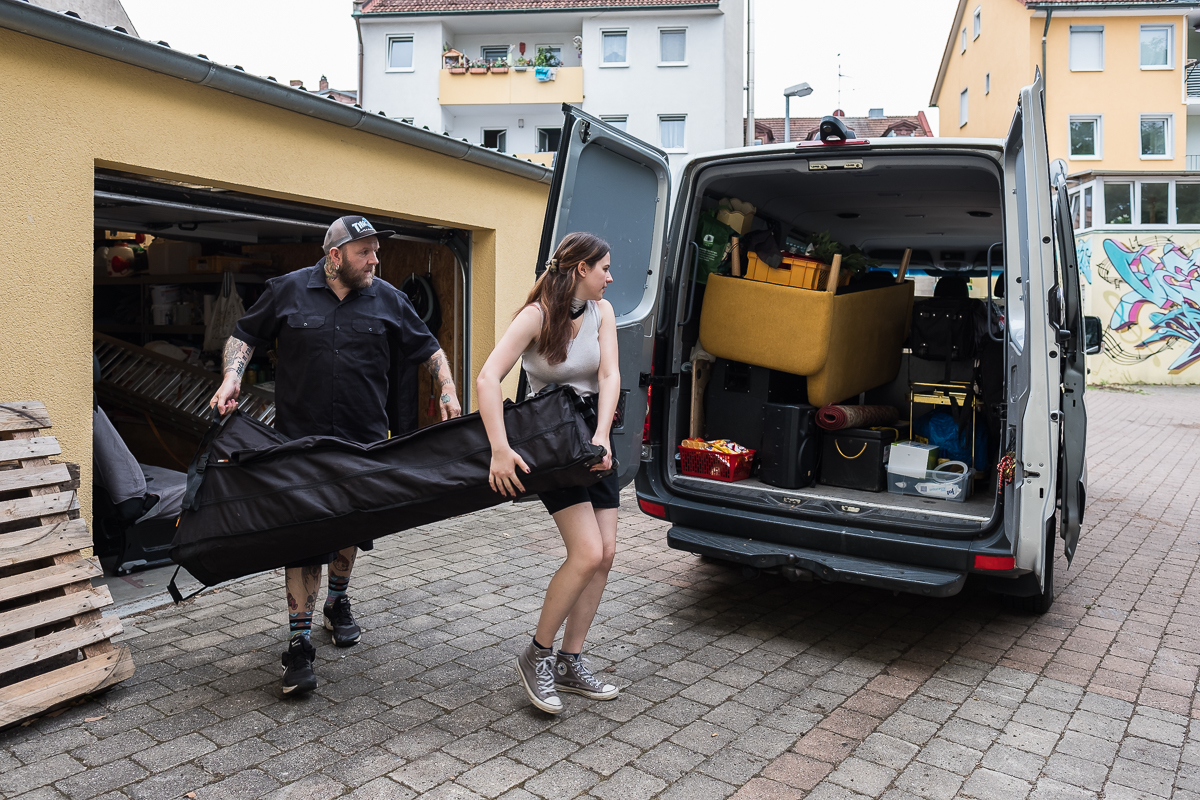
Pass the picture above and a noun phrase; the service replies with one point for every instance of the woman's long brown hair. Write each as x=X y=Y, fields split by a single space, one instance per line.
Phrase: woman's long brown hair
x=555 y=288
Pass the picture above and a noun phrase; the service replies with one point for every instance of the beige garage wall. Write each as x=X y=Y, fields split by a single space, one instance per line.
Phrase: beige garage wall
x=74 y=112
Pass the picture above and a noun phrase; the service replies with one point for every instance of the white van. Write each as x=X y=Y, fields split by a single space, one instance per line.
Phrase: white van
x=968 y=207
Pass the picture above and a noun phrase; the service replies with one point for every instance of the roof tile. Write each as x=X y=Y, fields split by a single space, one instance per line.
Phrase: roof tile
x=466 y=6
x=864 y=127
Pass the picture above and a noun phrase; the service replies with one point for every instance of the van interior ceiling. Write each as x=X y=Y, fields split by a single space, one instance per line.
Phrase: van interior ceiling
x=165 y=253
x=946 y=211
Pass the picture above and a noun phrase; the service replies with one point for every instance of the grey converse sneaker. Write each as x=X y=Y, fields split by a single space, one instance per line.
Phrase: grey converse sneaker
x=535 y=667
x=572 y=675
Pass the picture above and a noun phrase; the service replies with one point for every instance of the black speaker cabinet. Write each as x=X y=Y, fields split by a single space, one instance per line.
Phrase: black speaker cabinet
x=735 y=398
x=790 y=446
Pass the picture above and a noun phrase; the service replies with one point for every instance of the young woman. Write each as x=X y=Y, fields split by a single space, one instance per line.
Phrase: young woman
x=567 y=335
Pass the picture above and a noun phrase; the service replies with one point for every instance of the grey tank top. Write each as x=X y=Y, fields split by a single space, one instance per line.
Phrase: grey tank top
x=581 y=369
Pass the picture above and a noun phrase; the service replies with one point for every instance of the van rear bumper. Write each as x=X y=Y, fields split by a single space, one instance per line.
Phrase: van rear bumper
x=831 y=567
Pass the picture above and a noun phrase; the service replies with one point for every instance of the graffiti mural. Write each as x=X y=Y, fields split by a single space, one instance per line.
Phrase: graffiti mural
x=1167 y=286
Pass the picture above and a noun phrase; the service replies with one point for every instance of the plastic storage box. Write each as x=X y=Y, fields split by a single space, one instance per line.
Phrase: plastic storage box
x=953 y=486
x=726 y=467
x=852 y=458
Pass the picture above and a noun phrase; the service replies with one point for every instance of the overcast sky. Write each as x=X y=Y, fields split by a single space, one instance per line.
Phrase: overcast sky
x=890 y=49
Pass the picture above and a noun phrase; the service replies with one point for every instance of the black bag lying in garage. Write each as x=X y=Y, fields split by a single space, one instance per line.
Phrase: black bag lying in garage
x=257 y=500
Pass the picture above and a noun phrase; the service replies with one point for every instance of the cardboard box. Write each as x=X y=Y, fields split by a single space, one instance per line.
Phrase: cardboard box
x=912 y=459
x=168 y=257
x=219 y=264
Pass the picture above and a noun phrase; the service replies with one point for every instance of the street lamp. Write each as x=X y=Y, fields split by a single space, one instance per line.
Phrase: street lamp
x=799 y=90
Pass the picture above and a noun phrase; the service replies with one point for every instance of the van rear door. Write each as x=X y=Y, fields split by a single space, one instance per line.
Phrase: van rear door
x=1073 y=458
x=617 y=187
x=1033 y=375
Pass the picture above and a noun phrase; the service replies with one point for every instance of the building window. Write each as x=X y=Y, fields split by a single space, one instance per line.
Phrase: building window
x=1156 y=136
x=491 y=53
x=987 y=83
x=620 y=122
x=672 y=46
x=496 y=138
x=1086 y=48
x=1154 y=46
x=547 y=139
x=400 y=53
x=977 y=21
x=1118 y=203
x=613 y=46
x=1084 y=133
x=553 y=53
x=1087 y=207
x=1154 y=203
x=962 y=108
x=671 y=130
x=1187 y=203
x=964 y=41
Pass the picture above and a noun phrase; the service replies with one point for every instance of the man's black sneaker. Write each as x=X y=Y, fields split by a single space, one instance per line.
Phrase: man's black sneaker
x=298 y=676
x=339 y=620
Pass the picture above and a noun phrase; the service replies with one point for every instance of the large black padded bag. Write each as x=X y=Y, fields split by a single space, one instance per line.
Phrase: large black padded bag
x=257 y=500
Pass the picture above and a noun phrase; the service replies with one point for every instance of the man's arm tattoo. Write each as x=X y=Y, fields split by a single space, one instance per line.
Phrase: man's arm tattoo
x=435 y=364
x=237 y=355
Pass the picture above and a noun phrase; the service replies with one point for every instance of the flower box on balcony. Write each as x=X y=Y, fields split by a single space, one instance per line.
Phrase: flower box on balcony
x=499 y=70
x=458 y=70
x=520 y=68
x=478 y=70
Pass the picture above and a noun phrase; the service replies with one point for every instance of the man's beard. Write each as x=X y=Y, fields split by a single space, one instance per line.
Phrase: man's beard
x=355 y=280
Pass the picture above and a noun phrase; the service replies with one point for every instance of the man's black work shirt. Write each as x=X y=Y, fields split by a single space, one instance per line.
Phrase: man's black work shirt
x=331 y=376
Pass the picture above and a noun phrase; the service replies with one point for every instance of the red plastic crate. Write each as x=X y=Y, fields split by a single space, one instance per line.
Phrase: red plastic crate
x=727 y=467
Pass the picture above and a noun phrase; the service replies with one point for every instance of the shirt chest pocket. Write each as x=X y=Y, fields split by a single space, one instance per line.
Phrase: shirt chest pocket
x=305 y=321
x=370 y=327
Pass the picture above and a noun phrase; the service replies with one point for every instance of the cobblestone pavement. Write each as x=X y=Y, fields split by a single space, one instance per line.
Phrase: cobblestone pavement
x=753 y=688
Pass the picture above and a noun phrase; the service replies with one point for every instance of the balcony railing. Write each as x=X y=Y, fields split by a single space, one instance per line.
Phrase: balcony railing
x=1191 y=163
x=509 y=88
x=1193 y=83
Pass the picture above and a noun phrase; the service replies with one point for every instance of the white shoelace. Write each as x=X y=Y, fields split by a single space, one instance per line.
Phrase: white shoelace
x=586 y=675
x=544 y=669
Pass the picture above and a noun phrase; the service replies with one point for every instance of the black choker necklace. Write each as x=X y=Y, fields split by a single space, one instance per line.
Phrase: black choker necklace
x=577 y=307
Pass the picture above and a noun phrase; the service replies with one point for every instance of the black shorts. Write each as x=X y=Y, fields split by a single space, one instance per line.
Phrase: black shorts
x=326 y=558
x=605 y=494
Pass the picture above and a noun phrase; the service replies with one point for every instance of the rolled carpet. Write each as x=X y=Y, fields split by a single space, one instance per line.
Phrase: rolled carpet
x=834 y=418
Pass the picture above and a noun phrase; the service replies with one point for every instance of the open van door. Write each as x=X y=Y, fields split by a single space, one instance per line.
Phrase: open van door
x=1033 y=377
x=1073 y=458
x=617 y=187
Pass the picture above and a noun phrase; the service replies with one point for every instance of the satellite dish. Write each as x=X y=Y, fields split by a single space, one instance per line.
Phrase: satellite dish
x=1058 y=172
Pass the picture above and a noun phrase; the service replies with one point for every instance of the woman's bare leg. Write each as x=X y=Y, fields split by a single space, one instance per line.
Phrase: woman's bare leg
x=579 y=619
x=580 y=532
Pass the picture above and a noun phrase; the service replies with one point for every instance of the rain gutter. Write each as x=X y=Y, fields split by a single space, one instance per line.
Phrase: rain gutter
x=24 y=17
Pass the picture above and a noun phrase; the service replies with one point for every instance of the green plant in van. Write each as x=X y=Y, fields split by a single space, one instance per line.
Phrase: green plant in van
x=823 y=249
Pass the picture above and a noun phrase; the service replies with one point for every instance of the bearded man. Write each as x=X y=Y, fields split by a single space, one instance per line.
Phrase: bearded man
x=338 y=331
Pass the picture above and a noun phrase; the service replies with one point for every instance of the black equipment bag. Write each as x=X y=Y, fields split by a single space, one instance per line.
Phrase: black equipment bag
x=943 y=329
x=257 y=500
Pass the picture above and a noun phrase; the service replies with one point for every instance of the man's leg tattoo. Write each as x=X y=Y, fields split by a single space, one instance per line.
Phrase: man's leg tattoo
x=339 y=574
x=302 y=583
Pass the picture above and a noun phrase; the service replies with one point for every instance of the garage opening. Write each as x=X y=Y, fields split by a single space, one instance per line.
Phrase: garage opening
x=165 y=251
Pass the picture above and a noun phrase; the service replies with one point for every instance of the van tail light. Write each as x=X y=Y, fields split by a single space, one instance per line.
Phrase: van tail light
x=998 y=563
x=653 y=509
x=646 y=427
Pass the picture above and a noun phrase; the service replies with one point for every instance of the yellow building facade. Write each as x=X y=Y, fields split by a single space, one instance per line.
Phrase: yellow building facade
x=79 y=110
x=1119 y=114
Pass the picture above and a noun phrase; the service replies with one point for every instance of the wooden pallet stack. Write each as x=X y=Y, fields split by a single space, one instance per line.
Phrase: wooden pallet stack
x=54 y=642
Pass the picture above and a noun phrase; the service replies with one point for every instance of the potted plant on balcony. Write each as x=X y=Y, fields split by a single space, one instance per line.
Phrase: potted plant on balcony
x=545 y=58
x=499 y=66
x=478 y=67
x=521 y=64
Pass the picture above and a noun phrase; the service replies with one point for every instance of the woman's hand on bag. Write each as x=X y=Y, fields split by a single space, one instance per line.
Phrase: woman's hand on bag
x=503 y=477
x=606 y=464
x=225 y=400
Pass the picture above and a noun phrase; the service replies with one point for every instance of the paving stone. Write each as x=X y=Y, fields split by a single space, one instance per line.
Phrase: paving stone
x=495 y=777
x=112 y=775
x=1050 y=789
x=1145 y=778
x=733 y=766
x=562 y=780
x=1011 y=761
x=862 y=776
x=629 y=783
x=926 y=780
x=381 y=789
x=668 y=761
x=605 y=756
x=1076 y=771
x=429 y=771
x=984 y=784
x=697 y=787
x=950 y=756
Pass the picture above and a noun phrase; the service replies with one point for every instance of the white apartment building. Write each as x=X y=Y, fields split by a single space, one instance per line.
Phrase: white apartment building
x=666 y=71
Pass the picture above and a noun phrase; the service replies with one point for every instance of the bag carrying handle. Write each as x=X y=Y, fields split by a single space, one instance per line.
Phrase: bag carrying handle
x=838 y=445
x=195 y=473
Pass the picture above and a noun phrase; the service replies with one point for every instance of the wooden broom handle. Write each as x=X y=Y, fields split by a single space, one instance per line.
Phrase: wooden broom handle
x=831 y=285
x=904 y=264
x=735 y=257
